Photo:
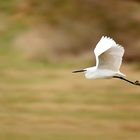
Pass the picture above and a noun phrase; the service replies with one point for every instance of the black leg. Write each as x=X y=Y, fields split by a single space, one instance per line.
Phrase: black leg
x=122 y=78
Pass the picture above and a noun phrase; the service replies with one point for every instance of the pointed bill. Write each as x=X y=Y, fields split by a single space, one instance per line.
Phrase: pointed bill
x=76 y=71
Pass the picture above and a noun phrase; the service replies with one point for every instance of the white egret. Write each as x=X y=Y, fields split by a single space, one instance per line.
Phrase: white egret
x=108 y=56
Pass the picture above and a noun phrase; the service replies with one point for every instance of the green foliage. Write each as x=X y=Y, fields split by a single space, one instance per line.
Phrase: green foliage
x=7 y=6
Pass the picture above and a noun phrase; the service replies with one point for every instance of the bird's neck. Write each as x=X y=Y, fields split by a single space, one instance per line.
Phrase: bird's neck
x=90 y=73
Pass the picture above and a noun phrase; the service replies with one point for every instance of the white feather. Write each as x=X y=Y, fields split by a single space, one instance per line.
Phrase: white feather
x=108 y=54
x=104 y=44
x=108 y=60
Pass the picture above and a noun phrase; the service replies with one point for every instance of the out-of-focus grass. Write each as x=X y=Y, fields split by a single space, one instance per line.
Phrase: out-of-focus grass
x=40 y=101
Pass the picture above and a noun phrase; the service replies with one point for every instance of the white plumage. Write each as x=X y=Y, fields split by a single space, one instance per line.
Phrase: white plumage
x=108 y=60
x=108 y=54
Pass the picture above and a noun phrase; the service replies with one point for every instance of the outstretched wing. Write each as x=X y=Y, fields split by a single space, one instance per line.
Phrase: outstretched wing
x=108 y=54
x=104 y=44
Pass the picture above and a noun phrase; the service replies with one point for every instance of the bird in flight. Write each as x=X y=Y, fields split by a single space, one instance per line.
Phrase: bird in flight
x=108 y=56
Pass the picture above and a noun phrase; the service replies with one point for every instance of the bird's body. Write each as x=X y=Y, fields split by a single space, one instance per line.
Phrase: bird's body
x=95 y=73
x=108 y=56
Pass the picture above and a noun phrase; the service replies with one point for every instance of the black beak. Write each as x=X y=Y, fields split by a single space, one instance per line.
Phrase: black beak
x=76 y=71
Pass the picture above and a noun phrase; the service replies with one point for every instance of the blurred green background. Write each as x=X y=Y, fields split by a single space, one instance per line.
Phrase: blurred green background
x=41 y=43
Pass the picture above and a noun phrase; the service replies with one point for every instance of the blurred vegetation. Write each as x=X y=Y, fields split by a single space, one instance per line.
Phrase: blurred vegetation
x=39 y=102
x=55 y=29
x=41 y=42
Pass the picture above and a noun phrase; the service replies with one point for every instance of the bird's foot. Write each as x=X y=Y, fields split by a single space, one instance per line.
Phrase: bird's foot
x=137 y=83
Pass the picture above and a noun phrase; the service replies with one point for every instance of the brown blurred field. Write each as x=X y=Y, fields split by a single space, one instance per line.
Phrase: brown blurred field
x=41 y=43
x=48 y=102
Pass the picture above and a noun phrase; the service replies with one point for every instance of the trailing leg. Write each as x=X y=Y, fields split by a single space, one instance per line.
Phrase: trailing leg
x=122 y=78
